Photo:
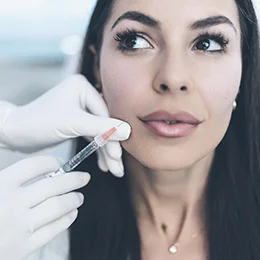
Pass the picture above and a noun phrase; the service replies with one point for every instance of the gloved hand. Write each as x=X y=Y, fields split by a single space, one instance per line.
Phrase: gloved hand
x=61 y=114
x=33 y=214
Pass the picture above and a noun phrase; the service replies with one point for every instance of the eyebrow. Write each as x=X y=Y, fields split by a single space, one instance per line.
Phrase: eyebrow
x=139 y=17
x=212 y=21
x=151 y=22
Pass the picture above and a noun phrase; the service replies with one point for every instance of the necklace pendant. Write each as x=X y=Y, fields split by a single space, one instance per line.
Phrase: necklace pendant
x=173 y=249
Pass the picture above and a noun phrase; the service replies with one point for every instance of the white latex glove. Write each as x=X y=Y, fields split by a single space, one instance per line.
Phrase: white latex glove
x=32 y=215
x=61 y=114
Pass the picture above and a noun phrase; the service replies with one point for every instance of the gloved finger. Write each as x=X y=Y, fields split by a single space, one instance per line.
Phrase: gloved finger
x=111 y=151
x=49 y=187
x=100 y=156
x=54 y=208
x=114 y=149
x=101 y=160
x=85 y=124
x=29 y=168
x=47 y=233
x=114 y=166
x=91 y=99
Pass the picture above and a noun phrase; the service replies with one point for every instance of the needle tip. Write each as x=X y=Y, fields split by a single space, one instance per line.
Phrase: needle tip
x=110 y=132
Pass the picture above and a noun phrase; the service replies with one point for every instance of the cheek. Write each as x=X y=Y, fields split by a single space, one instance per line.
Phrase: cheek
x=219 y=90
x=124 y=85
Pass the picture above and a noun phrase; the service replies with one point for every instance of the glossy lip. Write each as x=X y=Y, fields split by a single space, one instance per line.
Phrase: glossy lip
x=185 y=125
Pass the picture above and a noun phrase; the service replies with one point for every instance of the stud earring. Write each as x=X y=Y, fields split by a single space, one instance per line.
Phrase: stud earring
x=234 y=105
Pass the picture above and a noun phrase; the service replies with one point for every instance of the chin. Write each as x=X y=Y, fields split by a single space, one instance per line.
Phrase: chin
x=166 y=165
x=161 y=159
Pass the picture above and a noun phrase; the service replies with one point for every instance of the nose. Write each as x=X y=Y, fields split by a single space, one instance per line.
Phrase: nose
x=173 y=75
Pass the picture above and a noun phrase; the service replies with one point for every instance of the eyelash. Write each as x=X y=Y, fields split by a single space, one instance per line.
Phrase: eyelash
x=217 y=37
x=121 y=37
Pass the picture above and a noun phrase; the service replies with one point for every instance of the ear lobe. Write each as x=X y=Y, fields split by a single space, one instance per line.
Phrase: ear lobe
x=96 y=69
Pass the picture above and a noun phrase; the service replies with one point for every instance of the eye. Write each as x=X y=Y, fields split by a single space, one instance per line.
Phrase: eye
x=208 y=45
x=136 y=42
x=211 y=43
x=131 y=41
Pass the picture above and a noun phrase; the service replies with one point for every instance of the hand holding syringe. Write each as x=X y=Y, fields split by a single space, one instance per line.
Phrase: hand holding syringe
x=43 y=209
x=99 y=141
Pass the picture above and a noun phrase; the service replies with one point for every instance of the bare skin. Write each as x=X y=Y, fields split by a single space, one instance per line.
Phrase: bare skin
x=168 y=175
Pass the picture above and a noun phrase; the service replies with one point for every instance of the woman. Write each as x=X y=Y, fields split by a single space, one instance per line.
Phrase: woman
x=175 y=70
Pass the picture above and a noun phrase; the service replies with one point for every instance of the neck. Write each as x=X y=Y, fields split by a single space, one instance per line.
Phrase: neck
x=170 y=198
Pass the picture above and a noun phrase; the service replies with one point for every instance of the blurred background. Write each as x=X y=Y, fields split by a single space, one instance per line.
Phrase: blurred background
x=37 y=39
x=39 y=43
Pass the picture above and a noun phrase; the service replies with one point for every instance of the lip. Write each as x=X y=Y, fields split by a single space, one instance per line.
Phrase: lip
x=163 y=115
x=185 y=125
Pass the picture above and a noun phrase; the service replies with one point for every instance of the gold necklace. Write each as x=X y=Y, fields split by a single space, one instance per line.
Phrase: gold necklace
x=173 y=249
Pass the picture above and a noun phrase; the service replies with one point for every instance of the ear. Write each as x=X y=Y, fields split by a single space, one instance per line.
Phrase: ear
x=96 y=69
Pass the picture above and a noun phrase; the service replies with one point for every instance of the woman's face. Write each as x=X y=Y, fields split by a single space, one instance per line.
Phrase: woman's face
x=163 y=61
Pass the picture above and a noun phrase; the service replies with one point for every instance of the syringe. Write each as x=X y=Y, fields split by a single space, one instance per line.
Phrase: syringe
x=99 y=141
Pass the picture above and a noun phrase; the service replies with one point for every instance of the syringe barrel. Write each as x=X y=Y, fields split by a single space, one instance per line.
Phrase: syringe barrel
x=99 y=141
x=79 y=157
